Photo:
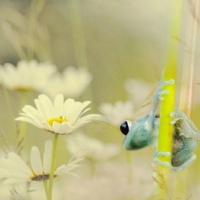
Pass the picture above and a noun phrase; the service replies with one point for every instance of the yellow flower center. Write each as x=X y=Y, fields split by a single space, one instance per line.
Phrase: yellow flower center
x=56 y=119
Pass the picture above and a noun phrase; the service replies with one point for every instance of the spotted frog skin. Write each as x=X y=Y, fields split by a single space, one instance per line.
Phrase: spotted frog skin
x=144 y=132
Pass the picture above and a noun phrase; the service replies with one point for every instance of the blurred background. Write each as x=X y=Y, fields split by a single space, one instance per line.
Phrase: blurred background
x=115 y=41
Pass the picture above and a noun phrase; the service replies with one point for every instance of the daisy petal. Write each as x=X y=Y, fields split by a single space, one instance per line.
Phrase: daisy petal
x=36 y=161
x=60 y=117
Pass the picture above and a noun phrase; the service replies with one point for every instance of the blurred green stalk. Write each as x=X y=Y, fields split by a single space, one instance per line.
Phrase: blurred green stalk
x=53 y=162
x=9 y=106
x=79 y=41
x=45 y=187
x=35 y=10
x=165 y=137
x=22 y=132
x=78 y=33
x=187 y=84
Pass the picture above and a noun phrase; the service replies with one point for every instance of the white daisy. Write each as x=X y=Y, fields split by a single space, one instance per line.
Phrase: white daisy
x=94 y=149
x=27 y=75
x=72 y=82
x=116 y=114
x=139 y=91
x=14 y=191
x=14 y=170
x=59 y=117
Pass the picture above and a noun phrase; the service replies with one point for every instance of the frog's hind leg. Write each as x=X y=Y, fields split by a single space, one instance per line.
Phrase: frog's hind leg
x=186 y=127
x=177 y=168
x=157 y=161
x=184 y=165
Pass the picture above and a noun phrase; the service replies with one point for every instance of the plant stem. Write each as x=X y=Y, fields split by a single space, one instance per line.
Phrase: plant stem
x=22 y=131
x=79 y=42
x=129 y=166
x=55 y=141
x=187 y=85
x=9 y=106
x=167 y=106
x=45 y=187
x=35 y=10
x=78 y=33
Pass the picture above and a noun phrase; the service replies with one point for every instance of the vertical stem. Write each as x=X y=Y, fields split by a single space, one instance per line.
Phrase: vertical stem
x=9 y=105
x=79 y=40
x=129 y=166
x=55 y=142
x=78 y=33
x=23 y=125
x=167 y=106
x=45 y=187
x=187 y=84
x=93 y=165
x=35 y=9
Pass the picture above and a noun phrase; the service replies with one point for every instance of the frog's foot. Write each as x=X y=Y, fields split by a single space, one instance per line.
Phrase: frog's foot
x=184 y=165
x=158 y=161
x=161 y=92
x=177 y=114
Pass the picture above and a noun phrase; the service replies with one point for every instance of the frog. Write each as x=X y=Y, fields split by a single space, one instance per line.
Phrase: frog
x=144 y=132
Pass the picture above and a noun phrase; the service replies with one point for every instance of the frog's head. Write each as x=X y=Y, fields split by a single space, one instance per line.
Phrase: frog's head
x=136 y=134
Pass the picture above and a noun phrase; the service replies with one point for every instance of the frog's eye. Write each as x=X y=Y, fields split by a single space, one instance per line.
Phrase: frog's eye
x=125 y=127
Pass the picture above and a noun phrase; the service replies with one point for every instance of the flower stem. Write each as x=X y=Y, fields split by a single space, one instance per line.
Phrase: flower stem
x=22 y=132
x=188 y=69
x=35 y=10
x=79 y=41
x=78 y=33
x=45 y=187
x=129 y=166
x=9 y=105
x=167 y=106
x=55 y=141
x=187 y=85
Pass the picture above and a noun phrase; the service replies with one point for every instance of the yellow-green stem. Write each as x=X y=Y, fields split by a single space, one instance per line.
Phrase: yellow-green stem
x=93 y=165
x=167 y=106
x=55 y=141
x=129 y=166
x=187 y=86
x=45 y=187
x=188 y=69
x=79 y=41
x=78 y=33
x=23 y=125
x=9 y=106
x=35 y=9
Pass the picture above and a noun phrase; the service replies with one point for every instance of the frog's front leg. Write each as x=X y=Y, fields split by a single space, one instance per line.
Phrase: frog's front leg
x=152 y=122
x=159 y=96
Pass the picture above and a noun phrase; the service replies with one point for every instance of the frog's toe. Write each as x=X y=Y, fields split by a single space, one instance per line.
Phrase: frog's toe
x=162 y=93
x=158 y=161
